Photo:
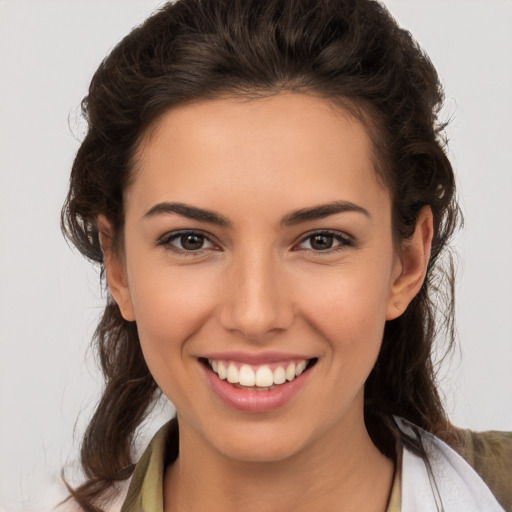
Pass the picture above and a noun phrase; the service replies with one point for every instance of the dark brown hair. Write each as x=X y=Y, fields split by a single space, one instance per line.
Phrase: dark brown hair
x=350 y=52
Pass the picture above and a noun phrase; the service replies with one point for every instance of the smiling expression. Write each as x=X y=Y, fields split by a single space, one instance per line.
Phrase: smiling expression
x=258 y=245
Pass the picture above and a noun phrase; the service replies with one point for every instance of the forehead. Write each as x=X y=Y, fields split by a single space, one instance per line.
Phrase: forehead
x=288 y=147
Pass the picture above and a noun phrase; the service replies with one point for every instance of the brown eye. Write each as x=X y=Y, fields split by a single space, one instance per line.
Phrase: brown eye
x=187 y=241
x=321 y=242
x=192 y=241
x=325 y=241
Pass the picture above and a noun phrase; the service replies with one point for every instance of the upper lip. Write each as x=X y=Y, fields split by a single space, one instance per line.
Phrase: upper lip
x=255 y=357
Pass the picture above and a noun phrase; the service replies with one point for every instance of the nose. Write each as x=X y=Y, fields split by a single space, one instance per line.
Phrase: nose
x=257 y=301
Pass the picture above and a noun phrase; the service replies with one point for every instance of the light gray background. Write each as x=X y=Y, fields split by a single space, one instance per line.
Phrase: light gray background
x=50 y=299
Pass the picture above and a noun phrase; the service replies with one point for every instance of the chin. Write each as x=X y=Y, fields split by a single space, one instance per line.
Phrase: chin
x=258 y=452
x=261 y=443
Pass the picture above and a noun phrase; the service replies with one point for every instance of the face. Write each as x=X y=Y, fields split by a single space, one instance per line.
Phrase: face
x=260 y=269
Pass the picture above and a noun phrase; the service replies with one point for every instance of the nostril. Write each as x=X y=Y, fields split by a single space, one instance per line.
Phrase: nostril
x=257 y=304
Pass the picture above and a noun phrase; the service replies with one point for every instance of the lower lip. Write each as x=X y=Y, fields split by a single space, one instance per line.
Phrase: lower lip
x=255 y=401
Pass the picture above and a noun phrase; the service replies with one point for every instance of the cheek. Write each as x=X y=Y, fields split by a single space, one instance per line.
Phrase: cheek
x=349 y=307
x=170 y=307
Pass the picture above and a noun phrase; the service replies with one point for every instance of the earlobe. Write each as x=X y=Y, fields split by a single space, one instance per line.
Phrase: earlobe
x=413 y=265
x=115 y=270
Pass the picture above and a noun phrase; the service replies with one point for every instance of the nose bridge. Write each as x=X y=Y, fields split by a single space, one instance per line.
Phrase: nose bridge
x=256 y=300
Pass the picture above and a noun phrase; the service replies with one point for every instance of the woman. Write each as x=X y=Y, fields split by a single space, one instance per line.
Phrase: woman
x=265 y=186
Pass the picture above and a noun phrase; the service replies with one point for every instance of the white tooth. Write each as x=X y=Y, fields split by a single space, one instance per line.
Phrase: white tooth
x=232 y=374
x=246 y=376
x=213 y=364
x=264 y=377
x=300 y=368
x=290 y=371
x=221 y=370
x=279 y=375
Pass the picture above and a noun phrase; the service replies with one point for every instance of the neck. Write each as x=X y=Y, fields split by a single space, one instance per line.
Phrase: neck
x=341 y=471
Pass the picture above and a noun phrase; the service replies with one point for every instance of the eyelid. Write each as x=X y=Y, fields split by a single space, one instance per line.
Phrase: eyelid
x=166 y=239
x=345 y=241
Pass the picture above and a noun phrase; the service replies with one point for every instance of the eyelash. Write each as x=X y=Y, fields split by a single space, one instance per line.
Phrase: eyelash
x=343 y=240
x=168 y=238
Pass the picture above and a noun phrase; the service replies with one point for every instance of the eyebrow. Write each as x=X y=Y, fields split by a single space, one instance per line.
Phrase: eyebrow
x=322 y=211
x=190 y=212
x=291 y=219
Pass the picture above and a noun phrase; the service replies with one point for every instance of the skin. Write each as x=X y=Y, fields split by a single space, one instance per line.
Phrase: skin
x=259 y=284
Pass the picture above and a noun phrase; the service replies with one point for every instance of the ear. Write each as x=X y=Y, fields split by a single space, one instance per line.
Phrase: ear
x=115 y=270
x=412 y=266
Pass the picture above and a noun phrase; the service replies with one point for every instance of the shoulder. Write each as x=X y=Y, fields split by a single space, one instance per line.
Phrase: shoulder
x=147 y=479
x=473 y=468
x=490 y=455
x=145 y=484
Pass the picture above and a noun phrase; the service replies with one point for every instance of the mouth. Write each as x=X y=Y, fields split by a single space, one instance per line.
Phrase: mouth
x=261 y=378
